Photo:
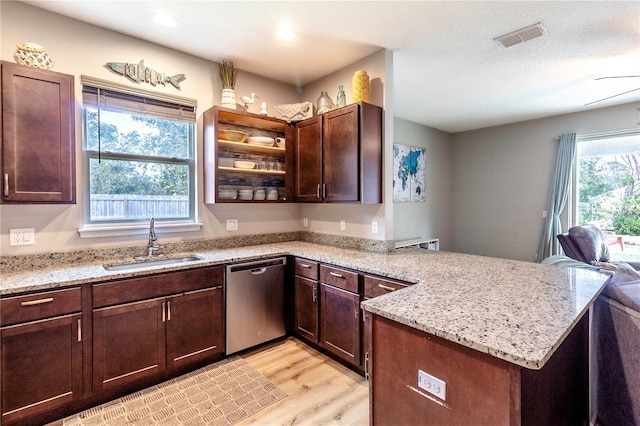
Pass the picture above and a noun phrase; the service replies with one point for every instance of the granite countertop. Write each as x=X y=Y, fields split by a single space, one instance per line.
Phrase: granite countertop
x=516 y=311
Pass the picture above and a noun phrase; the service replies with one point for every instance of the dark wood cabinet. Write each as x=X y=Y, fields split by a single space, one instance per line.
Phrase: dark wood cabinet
x=194 y=327
x=128 y=343
x=374 y=286
x=306 y=322
x=327 y=309
x=340 y=323
x=306 y=299
x=480 y=388
x=339 y=156
x=41 y=358
x=38 y=136
x=143 y=338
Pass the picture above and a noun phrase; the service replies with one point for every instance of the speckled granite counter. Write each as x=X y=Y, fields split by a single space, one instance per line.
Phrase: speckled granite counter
x=516 y=311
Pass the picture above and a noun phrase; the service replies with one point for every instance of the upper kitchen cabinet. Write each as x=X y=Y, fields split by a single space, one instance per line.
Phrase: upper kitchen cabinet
x=243 y=162
x=38 y=136
x=338 y=156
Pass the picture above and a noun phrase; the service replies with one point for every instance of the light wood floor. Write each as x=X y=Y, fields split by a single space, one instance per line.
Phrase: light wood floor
x=321 y=391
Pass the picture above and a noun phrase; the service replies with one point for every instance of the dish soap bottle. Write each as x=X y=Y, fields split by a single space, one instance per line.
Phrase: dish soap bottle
x=342 y=98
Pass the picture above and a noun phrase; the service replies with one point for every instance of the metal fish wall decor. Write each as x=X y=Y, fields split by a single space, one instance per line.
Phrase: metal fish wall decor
x=139 y=73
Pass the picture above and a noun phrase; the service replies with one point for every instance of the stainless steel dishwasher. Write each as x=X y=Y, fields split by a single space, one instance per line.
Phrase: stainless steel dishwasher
x=254 y=303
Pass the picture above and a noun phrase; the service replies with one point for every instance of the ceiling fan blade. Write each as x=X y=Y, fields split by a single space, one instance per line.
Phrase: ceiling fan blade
x=618 y=76
x=613 y=96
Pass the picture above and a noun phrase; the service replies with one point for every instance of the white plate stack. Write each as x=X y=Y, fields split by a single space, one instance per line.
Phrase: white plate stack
x=245 y=194
x=227 y=194
x=272 y=194
x=259 y=194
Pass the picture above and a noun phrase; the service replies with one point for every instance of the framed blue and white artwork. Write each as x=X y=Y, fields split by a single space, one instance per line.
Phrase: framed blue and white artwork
x=409 y=180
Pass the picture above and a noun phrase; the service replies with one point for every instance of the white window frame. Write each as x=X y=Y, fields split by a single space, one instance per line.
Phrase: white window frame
x=136 y=227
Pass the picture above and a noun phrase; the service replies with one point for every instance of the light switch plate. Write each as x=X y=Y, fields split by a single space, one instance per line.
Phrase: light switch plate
x=22 y=237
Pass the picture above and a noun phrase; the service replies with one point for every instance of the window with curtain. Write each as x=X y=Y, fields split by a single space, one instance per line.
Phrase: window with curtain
x=139 y=155
x=607 y=189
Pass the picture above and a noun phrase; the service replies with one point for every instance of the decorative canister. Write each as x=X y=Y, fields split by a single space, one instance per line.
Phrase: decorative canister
x=33 y=55
x=360 y=82
x=324 y=104
x=228 y=98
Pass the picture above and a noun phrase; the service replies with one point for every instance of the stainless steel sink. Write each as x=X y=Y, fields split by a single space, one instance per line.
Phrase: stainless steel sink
x=154 y=262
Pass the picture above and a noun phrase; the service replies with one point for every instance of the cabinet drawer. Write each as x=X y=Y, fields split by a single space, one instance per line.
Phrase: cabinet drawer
x=307 y=268
x=37 y=306
x=341 y=278
x=377 y=286
x=163 y=284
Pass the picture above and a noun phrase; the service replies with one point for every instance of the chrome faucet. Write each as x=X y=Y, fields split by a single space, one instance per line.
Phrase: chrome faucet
x=152 y=248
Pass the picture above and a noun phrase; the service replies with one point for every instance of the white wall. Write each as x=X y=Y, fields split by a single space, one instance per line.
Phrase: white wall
x=432 y=218
x=78 y=48
x=502 y=176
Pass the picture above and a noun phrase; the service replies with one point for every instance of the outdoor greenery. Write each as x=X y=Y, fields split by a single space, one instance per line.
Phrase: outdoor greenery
x=609 y=192
x=145 y=136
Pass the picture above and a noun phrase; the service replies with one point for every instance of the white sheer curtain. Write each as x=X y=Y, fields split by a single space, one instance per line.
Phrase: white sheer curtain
x=549 y=244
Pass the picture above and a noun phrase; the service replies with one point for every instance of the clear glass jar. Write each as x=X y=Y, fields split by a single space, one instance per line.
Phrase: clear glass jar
x=324 y=104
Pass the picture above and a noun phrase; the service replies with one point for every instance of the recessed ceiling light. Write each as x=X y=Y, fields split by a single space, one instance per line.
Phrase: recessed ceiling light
x=286 y=35
x=165 y=19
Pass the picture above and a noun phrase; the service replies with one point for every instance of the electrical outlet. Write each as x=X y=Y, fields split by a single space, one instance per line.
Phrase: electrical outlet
x=232 y=224
x=22 y=237
x=305 y=221
x=544 y=213
x=374 y=227
x=343 y=225
x=432 y=384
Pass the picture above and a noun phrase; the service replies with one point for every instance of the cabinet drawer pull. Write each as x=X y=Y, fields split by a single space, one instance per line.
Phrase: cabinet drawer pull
x=335 y=274
x=317 y=191
x=386 y=287
x=366 y=365
x=79 y=329
x=163 y=312
x=304 y=265
x=315 y=293
x=324 y=190
x=37 y=302
x=168 y=311
x=6 y=184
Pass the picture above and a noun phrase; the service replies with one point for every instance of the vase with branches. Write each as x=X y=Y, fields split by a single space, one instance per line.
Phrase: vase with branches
x=228 y=74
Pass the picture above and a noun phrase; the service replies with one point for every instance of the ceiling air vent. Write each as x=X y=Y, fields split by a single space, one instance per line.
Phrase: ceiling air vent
x=522 y=35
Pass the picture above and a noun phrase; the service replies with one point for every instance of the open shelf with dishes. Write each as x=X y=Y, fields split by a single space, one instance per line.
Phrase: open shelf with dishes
x=246 y=159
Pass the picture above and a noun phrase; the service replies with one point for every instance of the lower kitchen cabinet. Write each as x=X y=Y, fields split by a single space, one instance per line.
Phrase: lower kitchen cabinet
x=340 y=323
x=327 y=309
x=140 y=339
x=41 y=358
x=128 y=343
x=306 y=308
x=194 y=327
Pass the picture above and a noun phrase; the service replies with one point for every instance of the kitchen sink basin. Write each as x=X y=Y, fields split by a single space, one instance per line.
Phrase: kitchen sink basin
x=152 y=262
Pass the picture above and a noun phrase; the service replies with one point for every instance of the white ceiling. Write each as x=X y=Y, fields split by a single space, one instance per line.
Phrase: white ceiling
x=449 y=73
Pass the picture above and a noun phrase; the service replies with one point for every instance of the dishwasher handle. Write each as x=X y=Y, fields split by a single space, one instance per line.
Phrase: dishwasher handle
x=258 y=271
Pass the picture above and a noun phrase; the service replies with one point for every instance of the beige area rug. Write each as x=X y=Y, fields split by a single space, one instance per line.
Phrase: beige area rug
x=223 y=393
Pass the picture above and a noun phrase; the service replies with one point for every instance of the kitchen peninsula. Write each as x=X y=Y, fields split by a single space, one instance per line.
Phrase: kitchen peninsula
x=510 y=314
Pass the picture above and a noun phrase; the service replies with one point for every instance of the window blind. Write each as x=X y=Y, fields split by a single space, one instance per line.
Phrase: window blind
x=115 y=97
